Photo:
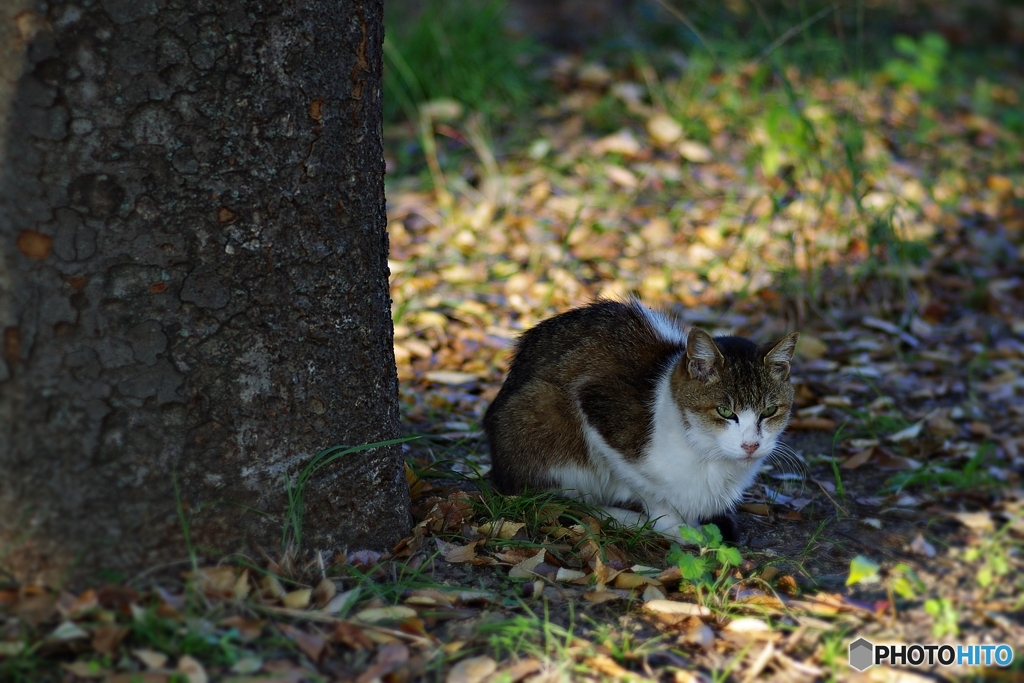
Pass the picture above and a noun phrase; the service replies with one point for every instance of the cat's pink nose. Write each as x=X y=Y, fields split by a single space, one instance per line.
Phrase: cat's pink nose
x=749 y=448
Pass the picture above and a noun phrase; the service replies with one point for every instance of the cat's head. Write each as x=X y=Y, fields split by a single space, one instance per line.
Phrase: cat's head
x=734 y=395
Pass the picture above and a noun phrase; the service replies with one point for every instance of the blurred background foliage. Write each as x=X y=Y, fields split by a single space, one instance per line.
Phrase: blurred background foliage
x=808 y=157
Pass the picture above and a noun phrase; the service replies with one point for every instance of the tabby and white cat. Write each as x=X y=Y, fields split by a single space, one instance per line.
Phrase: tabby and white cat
x=619 y=406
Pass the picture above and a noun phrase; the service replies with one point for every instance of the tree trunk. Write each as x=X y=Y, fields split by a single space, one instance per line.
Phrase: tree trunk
x=193 y=281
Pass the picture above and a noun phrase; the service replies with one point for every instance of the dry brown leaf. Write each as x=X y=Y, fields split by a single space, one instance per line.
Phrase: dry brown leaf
x=622 y=142
x=521 y=670
x=271 y=588
x=323 y=593
x=629 y=580
x=501 y=529
x=606 y=665
x=975 y=521
x=597 y=597
x=564 y=575
x=106 y=638
x=525 y=569
x=151 y=658
x=374 y=615
x=311 y=644
x=652 y=592
x=677 y=608
x=858 y=459
x=352 y=635
x=240 y=590
x=664 y=129
x=215 y=581
x=297 y=599
x=192 y=669
x=83 y=669
x=461 y=553
x=472 y=670
x=695 y=152
x=390 y=658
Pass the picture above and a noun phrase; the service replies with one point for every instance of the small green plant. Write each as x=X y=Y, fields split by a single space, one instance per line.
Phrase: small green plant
x=994 y=553
x=921 y=61
x=944 y=615
x=698 y=568
x=973 y=475
x=900 y=579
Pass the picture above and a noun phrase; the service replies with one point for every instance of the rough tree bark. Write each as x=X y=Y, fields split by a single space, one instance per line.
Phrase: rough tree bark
x=193 y=279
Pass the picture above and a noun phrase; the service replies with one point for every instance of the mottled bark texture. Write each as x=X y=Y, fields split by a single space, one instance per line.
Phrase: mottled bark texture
x=193 y=279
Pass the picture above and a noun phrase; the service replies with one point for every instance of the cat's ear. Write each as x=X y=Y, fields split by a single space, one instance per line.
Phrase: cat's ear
x=777 y=359
x=703 y=359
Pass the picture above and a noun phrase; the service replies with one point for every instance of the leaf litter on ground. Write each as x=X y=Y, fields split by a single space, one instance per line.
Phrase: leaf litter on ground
x=896 y=513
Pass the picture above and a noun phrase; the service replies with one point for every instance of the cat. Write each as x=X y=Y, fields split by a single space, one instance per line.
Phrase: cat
x=617 y=405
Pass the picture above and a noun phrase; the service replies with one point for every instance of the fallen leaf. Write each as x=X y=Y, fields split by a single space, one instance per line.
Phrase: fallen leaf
x=83 y=669
x=701 y=635
x=622 y=142
x=652 y=592
x=192 y=669
x=472 y=670
x=240 y=590
x=920 y=546
x=461 y=553
x=525 y=569
x=297 y=599
x=664 y=129
x=349 y=634
x=909 y=433
x=324 y=592
x=564 y=575
x=628 y=580
x=976 y=521
x=311 y=644
x=862 y=570
x=271 y=588
x=520 y=670
x=450 y=377
x=858 y=459
x=150 y=658
x=501 y=529
x=677 y=608
x=695 y=152
x=389 y=658
x=597 y=597
x=247 y=665
x=106 y=638
x=747 y=625
x=607 y=666
x=375 y=615
x=214 y=581
x=68 y=630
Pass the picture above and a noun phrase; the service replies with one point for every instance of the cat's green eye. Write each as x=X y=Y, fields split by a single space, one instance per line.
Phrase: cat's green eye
x=769 y=411
x=725 y=412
